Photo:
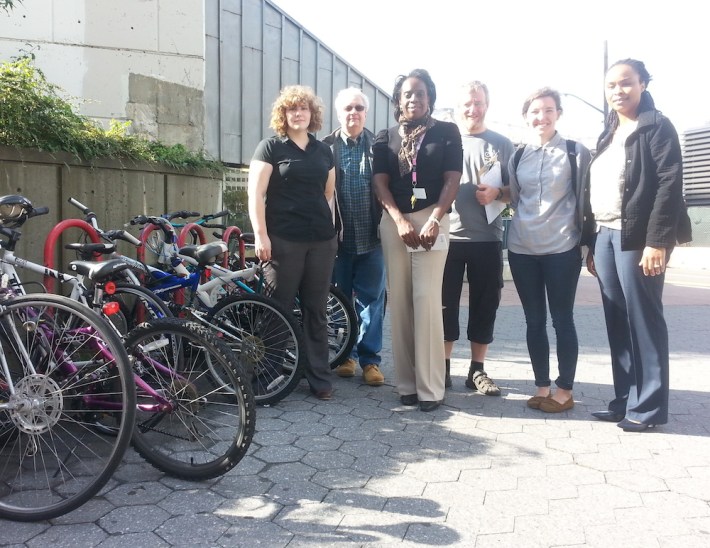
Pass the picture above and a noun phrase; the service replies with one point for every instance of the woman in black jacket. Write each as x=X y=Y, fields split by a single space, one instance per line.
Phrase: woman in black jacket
x=635 y=206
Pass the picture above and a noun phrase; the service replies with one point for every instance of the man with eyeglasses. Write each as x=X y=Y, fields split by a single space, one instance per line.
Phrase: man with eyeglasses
x=359 y=266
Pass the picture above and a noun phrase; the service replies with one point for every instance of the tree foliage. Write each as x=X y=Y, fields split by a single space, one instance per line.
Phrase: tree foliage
x=7 y=5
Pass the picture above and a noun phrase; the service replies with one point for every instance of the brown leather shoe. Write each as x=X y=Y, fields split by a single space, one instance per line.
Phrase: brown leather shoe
x=324 y=395
x=347 y=368
x=535 y=401
x=372 y=375
x=552 y=406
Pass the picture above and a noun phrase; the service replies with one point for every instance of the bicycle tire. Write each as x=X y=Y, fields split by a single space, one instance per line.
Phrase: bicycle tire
x=343 y=327
x=137 y=305
x=205 y=428
x=153 y=240
x=56 y=460
x=268 y=341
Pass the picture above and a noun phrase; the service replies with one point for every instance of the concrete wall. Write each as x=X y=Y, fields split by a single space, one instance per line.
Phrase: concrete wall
x=202 y=73
x=116 y=191
x=110 y=55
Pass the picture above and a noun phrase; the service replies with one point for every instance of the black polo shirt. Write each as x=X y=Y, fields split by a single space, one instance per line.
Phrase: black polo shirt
x=296 y=208
x=441 y=150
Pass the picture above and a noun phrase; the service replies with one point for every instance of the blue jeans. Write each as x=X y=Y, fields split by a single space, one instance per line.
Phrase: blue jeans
x=363 y=277
x=557 y=275
x=637 y=331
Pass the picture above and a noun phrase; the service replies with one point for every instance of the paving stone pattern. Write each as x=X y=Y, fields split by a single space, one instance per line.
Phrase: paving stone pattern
x=362 y=470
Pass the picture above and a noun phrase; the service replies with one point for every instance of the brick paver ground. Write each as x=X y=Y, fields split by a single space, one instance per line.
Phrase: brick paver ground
x=362 y=470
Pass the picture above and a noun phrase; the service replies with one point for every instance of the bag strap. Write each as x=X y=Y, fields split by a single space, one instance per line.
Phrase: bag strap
x=516 y=159
x=571 y=154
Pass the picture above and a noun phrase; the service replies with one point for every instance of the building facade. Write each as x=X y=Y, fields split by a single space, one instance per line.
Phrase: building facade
x=202 y=73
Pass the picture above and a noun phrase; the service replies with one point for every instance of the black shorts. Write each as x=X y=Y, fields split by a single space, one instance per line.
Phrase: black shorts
x=483 y=263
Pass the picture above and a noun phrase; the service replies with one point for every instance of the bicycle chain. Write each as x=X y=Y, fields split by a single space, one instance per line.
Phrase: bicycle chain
x=143 y=428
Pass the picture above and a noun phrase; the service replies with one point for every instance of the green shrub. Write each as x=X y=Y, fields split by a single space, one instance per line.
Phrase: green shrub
x=34 y=115
x=7 y=5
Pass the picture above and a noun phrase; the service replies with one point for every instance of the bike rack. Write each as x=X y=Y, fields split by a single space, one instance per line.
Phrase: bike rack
x=51 y=242
x=242 y=246
x=145 y=231
x=185 y=232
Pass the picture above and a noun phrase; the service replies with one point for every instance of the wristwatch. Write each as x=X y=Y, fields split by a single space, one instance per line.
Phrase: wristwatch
x=500 y=194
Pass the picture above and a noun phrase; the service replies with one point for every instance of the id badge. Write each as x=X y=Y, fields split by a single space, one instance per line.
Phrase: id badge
x=419 y=193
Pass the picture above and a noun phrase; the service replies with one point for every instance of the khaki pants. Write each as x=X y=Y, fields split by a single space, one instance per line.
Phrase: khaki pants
x=414 y=304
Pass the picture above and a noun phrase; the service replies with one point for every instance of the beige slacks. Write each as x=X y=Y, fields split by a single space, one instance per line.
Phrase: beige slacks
x=414 y=304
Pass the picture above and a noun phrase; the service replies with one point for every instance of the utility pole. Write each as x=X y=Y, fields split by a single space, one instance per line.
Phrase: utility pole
x=606 y=68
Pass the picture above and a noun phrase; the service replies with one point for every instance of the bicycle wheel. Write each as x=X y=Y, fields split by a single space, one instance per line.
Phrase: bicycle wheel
x=153 y=246
x=188 y=423
x=137 y=305
x=267 y=340
x=64 y=368
x=342 y=327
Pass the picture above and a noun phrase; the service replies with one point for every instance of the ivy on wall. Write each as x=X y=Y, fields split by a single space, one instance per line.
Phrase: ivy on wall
x=33 y=114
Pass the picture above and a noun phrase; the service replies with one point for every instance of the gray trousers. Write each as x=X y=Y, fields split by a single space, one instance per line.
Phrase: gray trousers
x=305 y=269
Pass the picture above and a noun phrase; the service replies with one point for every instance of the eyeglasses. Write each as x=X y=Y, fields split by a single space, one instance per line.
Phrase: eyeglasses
x=359 y=108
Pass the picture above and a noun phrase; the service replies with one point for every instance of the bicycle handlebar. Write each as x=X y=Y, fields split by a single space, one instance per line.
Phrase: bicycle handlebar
x=182 y=214
x=90 y=215
x=37 y=211
x=160 y=222
x=122 y=235
x=76 y=203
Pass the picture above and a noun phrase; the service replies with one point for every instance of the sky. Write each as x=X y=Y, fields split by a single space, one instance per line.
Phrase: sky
x=517 y=46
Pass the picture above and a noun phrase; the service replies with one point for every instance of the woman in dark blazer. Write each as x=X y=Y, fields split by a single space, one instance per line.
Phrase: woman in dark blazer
x=635 y=216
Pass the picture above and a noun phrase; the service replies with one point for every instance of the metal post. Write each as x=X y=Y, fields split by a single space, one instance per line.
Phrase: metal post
x=606 y=68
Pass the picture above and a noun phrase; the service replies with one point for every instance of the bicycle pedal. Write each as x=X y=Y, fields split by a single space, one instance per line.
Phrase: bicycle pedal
x=273 y=384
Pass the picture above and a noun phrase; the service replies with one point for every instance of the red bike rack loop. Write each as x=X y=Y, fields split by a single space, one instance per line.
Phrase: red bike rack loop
x=51 y=242
x=185 y=232
x=145 y=232
x=226 y=235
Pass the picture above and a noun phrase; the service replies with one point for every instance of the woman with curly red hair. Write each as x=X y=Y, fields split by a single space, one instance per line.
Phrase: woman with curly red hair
x=291 y=181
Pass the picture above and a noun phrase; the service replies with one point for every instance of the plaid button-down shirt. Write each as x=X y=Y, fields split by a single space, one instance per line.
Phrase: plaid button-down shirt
x=355 y=196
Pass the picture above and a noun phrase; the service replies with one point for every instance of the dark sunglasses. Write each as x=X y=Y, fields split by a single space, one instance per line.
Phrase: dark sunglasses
x=359 y=108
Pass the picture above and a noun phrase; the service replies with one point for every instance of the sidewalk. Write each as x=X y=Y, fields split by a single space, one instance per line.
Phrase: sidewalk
x=362 y=470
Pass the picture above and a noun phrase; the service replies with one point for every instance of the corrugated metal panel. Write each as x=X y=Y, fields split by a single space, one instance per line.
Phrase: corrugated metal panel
x=253 y=49
x=696 y=166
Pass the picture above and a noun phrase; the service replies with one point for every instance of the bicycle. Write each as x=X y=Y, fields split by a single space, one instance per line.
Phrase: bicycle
x=178 y=394
x=265 y=336
x=62 y=368
x=191 y=233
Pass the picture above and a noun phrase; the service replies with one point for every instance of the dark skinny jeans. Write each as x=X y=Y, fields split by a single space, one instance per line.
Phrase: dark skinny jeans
x=557 y=275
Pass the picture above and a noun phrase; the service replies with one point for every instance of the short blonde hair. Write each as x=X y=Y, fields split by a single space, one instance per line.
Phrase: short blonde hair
x=290 y=97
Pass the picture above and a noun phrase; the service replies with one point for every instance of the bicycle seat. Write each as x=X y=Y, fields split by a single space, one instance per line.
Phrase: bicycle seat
x=204 y=254
x=98 y=271
x=14 y=210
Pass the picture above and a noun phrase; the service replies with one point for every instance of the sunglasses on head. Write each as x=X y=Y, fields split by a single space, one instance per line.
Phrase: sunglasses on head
x=359 y=108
